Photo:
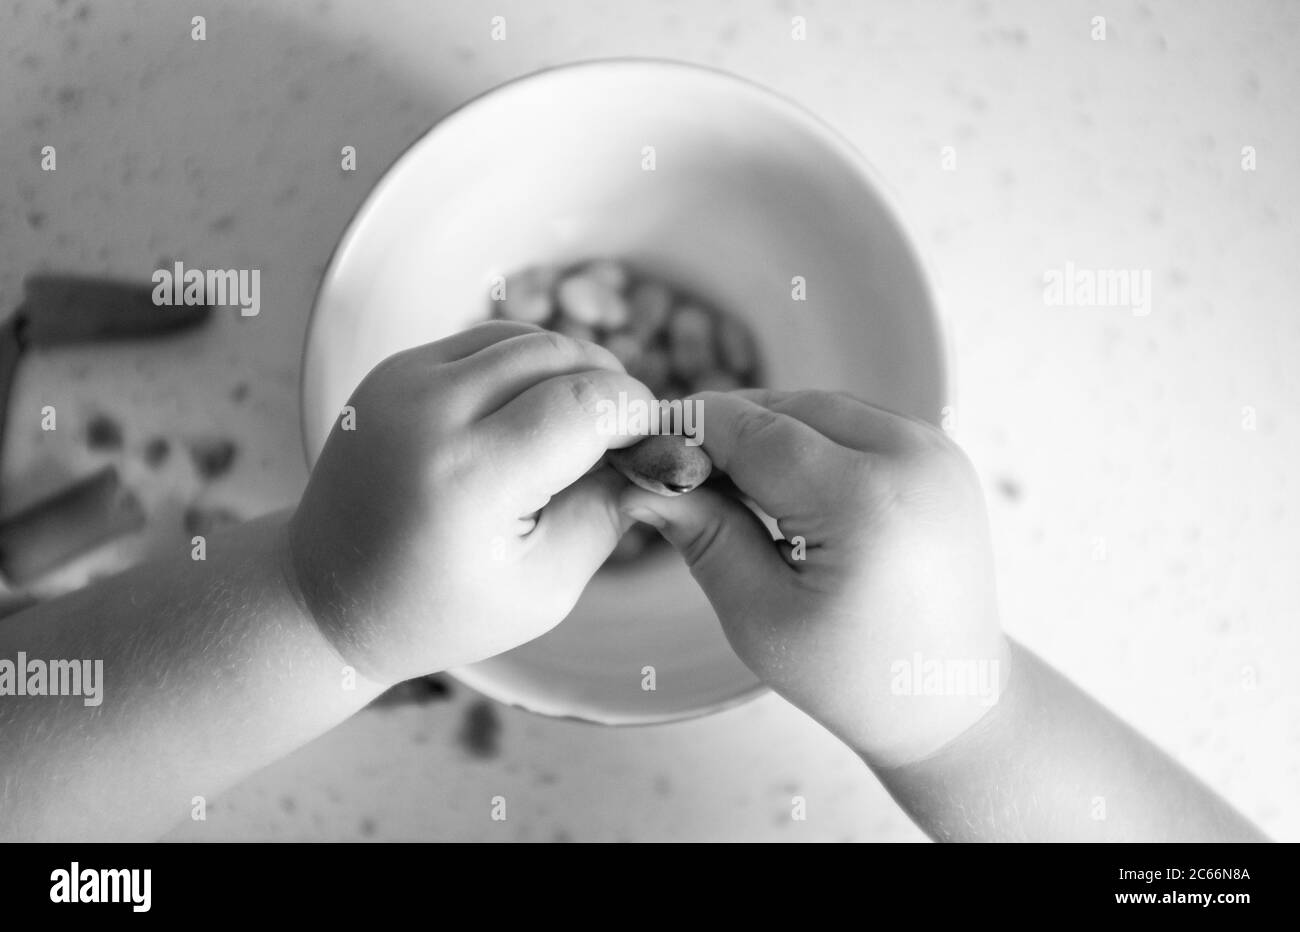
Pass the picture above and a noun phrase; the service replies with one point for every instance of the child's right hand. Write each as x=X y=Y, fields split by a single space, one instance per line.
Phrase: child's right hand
x=896 y=572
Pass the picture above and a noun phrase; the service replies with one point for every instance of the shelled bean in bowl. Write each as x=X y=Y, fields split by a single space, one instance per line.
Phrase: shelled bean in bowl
x=666 y=337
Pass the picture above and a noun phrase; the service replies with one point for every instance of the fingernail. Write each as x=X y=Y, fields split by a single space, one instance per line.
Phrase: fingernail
x=644 y=515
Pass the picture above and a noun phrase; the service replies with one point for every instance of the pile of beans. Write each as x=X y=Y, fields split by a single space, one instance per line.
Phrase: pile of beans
x=665 y=337
x=672 y=342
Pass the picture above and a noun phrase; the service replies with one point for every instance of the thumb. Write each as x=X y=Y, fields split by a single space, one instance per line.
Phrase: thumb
x=580 y=526
x=729 y=551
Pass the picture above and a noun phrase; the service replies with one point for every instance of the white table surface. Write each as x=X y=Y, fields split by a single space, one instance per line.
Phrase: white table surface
x=1085 y=423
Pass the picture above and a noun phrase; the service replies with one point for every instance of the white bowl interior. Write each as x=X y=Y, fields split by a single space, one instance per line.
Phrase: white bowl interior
x=747 y=192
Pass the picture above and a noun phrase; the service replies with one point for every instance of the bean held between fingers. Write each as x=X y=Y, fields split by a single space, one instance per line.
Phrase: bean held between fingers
x=664 y=463
x=673 y=341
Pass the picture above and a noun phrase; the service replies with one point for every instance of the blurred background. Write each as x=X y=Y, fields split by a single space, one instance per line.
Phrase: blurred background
x=1139 y=470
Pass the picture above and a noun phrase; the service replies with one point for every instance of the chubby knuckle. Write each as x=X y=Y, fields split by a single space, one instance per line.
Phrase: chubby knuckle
x=556 y=344
x=569 y=351
x=539 y=347
x=584 y=390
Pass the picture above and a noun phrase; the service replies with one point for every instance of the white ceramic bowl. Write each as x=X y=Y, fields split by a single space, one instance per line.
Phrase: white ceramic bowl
x=748 y=191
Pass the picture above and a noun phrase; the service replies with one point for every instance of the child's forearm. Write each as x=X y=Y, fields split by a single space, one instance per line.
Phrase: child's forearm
x=211 y=670
x=1048 y=763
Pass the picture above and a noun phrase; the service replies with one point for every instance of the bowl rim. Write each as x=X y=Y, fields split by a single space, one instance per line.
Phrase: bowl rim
x=849 y=156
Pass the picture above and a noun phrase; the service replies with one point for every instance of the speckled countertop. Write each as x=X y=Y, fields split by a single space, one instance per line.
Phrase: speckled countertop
x=1088 y=424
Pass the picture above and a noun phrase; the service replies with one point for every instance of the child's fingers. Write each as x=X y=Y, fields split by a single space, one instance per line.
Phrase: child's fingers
x=557 y=429
x=579 y=528
x=483 y=335
x=844 y=419
x=730 y=552
x=777 y=460
x=467 y=342
x=496 y=374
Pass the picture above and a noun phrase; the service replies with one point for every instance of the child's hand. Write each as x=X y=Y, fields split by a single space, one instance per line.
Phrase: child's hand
x=415 y=547
x=896 y=573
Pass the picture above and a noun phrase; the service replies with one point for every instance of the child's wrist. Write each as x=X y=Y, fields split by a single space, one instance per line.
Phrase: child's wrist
x=985 y=733
x=966 y=718
x=288 y=574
